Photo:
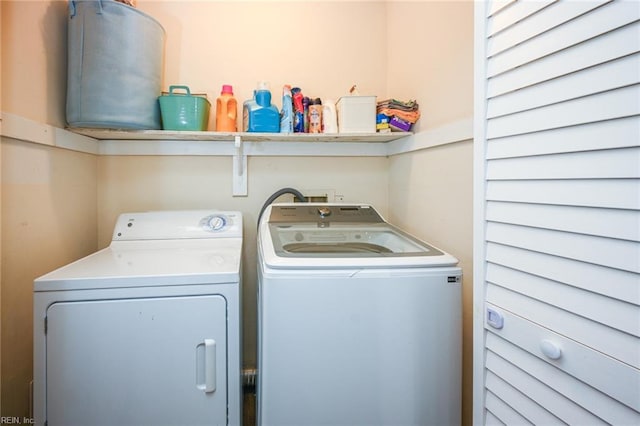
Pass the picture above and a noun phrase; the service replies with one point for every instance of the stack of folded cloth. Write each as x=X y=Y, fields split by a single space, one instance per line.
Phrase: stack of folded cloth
x=400 y=115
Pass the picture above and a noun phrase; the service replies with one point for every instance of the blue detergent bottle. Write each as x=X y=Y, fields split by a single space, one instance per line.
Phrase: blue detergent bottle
x=286 y=115
x=258 y=114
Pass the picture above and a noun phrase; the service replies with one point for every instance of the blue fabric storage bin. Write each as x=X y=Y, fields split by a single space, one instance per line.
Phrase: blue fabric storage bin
x=115 y=60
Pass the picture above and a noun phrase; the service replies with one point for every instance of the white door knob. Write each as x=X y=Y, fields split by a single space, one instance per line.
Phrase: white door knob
x=551 y=349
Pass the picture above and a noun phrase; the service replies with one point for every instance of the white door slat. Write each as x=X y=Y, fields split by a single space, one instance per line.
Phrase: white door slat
x=491 y=420
x=607 y=47
x=618 y=380
x=546 y=19
x=620 y=254
x=607 y=193
x=503 y=412
x=622 y=102
x=609 y=17
x=609 y=76
x=605 y=164
x=520 y=402
x=504 y=378
x=515 y=13
x=592 y=400
x=610 y=134
x=609 y=282
x=621 y=224
x=497 y=5
x=618 y=346
x=613 y=313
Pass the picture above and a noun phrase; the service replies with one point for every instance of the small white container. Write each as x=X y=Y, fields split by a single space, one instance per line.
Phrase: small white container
x=329 y=117
x=356 y=114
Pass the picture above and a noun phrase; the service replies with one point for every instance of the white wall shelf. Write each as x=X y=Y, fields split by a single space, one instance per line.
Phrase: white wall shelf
x=237 y=145
x=161 y=142
x=108 y=134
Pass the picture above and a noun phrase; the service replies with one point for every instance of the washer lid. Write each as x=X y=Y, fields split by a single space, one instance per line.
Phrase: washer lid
x=340 y=236
x=346 y=240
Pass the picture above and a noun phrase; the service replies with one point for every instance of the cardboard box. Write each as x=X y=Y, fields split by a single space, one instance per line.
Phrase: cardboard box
x=356 y=114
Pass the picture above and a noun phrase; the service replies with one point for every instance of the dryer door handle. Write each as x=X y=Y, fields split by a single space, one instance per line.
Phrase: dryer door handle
x=208 y=363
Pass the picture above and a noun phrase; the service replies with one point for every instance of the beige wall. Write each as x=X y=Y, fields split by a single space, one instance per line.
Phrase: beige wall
x=48 y=219
x=34 y=58
x=430 y=58
x=210 y=43
x=48 y=196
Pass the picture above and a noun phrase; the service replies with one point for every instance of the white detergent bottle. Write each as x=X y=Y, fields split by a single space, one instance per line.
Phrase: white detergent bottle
x=329 y=118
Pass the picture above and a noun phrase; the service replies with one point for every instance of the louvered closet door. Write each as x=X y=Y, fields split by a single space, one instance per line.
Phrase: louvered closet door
x=557 y=220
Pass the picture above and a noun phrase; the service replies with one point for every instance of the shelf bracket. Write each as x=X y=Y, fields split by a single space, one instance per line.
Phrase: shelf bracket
x=239 y=169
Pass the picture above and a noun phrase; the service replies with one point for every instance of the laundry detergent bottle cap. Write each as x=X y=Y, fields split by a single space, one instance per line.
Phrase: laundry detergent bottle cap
x=227 y=88
x=263 y=94
x=226 y=110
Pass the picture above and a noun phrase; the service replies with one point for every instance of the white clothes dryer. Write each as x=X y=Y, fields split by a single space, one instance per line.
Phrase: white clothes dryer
x=359 y=322
x=147 y=330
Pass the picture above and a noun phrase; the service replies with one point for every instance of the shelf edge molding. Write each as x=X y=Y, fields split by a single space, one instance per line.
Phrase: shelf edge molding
x=24 y=129
x=453 y=132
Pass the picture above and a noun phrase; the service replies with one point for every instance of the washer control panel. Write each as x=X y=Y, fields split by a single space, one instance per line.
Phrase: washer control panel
x=311 y=212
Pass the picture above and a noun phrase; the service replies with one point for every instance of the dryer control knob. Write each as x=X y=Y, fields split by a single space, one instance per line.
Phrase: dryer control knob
x=215 y=223
x=324 y=211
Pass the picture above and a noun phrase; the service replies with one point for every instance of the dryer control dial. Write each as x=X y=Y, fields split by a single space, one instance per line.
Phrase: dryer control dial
x=214 y=223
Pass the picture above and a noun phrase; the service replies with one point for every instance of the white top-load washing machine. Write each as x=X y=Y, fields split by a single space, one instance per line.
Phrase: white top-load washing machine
x=359 y=322
x=147 y=330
